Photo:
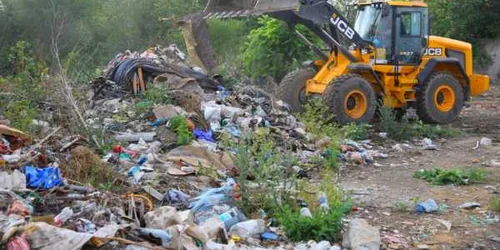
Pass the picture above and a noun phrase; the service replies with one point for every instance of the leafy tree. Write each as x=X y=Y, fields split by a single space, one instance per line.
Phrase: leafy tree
x=273 y=49
x=92 y=31
x=467 y=20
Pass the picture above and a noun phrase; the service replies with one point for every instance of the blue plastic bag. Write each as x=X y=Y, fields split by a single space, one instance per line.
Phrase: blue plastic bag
x=45 y=178
x=205 y=135
x=428 y=206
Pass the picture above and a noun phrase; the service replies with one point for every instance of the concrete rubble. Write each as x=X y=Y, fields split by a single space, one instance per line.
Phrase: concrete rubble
x=362 y=236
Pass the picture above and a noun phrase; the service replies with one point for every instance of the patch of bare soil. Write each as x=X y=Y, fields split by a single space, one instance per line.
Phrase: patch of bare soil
x=382 y=191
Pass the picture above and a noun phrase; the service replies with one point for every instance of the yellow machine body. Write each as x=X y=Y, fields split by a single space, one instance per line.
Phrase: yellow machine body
x=397 y=94
x=391 y=58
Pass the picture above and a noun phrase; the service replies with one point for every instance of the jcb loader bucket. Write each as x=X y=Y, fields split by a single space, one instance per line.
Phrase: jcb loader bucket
x=236 y=8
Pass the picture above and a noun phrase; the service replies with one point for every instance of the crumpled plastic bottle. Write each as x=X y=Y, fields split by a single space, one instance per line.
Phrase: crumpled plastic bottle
x=323 y=202
x=63 y=216
x=305 y=212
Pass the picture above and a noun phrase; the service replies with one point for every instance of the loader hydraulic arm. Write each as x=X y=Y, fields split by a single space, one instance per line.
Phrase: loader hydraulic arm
x=321 y=12
x=314 y=14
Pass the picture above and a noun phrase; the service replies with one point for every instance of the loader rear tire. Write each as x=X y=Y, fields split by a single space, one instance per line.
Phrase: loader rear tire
x=440 y=100
x=292 y=88
x=351 y=99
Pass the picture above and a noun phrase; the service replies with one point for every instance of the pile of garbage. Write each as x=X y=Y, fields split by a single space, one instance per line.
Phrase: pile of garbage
x=158 y=153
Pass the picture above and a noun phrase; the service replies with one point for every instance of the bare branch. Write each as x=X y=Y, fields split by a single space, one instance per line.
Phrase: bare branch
x=56 y=30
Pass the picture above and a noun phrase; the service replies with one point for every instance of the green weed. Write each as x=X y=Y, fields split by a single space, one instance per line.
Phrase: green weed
x=421 y=130
x=402 y=129
x=415 y=200
x=179 y=125
x=267 y=182
x=322 y=226
x=495 y=204
x=263 y=177
x=143 y=107
x=317 y=120
x=455 y=176
x=21 y=113
x=156 y=95
x=356 y=132
x=402 y=206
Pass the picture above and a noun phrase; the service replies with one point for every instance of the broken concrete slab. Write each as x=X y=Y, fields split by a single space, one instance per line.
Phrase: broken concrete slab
x=362 y=236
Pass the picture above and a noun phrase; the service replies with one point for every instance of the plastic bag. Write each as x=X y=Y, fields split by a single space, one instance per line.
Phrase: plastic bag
x=248 y=229
x=204 y=135
x=43 y=177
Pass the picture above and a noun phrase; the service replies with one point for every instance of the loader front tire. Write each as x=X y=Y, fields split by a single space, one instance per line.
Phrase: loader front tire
x=440 y=99
x=292 y=88
x=351 y=99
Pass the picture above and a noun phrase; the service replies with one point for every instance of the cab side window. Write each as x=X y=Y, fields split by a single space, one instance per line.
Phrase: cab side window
x=411 y=24
x=410 y=35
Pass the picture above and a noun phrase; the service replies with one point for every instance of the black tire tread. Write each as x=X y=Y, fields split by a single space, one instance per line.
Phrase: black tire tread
x=332 y=90
x=422 y=111
x=287 y=87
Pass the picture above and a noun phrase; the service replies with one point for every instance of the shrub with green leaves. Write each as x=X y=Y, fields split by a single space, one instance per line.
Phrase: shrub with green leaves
x=179 y=125
x=402 y=129
x=156 y=95
x=22 y=92
x=356 y=132
x=454 y=176
x=421 y=130
x=495 y=203
x=324 y=225
x=266 y=180
x=273 y=49
x=317 y=120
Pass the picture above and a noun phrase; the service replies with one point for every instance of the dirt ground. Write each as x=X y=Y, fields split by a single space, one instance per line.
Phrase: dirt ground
x=378 y=189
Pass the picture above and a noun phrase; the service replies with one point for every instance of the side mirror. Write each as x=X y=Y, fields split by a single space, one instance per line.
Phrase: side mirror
x=424 y=42
x=431 y=20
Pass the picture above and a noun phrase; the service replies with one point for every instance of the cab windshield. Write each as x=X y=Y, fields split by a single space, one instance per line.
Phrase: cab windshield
x=366 y=21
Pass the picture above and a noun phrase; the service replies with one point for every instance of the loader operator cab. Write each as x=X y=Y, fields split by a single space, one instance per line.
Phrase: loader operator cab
x=398 y=33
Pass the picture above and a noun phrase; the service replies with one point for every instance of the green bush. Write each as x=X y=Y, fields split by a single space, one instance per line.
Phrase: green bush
x=156 y=95
x=495 y=204
x=402 y=129
x=401 y=206
x=264 y=178
x=20 y=113
x=23 y=91
x=273 y=49
x=324 y=225
x=356 y=132
x=455 y=176
x=318 y=120
x=420 y=130
x=179 y=125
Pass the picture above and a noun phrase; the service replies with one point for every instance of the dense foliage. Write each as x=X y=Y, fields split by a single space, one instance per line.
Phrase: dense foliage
x=273 y=49
x=90 y=31
x=455 y=176
x=465 y=20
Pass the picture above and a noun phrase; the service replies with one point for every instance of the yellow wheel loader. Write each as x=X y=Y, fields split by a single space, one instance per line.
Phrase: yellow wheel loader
x=391 y=58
